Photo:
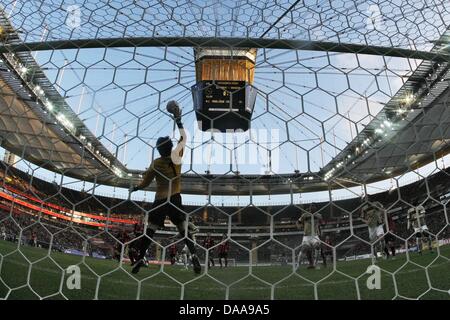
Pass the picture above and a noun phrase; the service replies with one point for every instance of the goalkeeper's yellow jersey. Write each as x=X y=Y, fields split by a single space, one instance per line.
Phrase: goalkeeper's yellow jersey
x=167 y=171
x=167 y=176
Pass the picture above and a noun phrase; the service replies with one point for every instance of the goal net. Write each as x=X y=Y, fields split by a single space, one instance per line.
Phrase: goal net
x=308 y=144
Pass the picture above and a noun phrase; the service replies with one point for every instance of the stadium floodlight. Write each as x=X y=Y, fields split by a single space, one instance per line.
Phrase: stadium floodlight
x=117 y=172
x=408 y=99
x=49 y=105
x=401 y=111
x=64 y=121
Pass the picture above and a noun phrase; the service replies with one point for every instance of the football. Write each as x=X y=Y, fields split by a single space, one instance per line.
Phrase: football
x=173 y=107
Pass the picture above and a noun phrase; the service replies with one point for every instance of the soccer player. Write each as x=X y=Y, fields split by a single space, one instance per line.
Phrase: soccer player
x=322 y=246
x=327 y=250
x=185 y=256
x=309 y=223
x=167 y=172
x=224 y=247
x=34 y=239
x=123 y=238
x=173 y=253
x=3 y=232
x=416 y=221
x=390 y=238
x=133 y=247
x=209 y=243
x=372 y=214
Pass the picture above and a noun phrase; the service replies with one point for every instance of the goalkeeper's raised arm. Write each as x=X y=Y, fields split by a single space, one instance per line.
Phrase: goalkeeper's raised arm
x=177 y=153
x=163 y=145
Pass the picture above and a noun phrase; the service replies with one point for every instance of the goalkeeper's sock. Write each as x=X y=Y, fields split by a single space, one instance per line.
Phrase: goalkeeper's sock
x=190 y=243
x=138 y=266
x=145 y=243
x=196 y=264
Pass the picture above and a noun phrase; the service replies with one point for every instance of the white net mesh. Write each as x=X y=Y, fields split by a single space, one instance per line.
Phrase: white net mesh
x=349 y=130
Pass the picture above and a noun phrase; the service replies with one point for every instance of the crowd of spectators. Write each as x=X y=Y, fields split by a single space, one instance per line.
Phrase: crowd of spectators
x=251 y=226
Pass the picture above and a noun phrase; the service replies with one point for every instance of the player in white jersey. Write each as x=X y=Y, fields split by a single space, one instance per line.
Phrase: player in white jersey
x=309 y=222
x=372 y=213
x=185 y=256
x=416 y=221
x=3 y=233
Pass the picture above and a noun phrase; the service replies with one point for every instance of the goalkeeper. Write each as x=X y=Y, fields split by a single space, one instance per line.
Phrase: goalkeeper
x=166 y=170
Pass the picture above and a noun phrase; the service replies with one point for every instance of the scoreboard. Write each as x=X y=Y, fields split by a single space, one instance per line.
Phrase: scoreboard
x=223 y=105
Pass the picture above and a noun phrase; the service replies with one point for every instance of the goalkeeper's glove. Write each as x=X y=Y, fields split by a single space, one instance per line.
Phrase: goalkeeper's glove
x=174 y=108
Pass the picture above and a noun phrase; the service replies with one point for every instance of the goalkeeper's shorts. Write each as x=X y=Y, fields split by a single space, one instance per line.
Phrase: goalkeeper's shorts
x=163 y=208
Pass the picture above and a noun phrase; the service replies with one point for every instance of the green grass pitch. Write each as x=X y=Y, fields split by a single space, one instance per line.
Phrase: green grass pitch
x=32 y=273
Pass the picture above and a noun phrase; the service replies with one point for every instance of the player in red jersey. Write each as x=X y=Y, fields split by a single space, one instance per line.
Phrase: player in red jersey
x=123 y=238
x=390 y=238
x=34 y=239
x=209 y=243
x=224 y=247
x=173 y=253
x=133 y=247
x=327 y=250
